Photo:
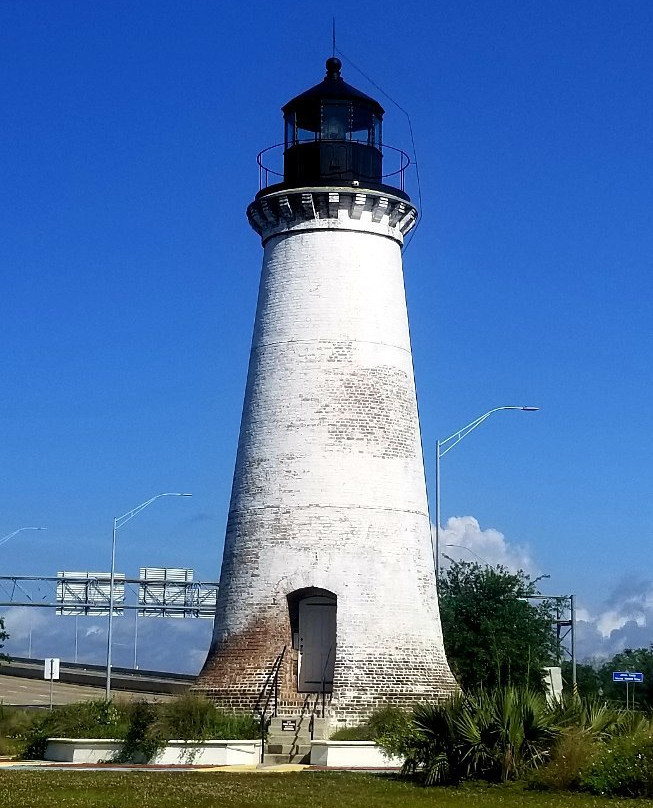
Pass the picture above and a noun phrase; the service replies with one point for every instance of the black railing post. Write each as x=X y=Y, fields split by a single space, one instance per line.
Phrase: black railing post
x=276 y=691
x=269 y=691
x=323 y=696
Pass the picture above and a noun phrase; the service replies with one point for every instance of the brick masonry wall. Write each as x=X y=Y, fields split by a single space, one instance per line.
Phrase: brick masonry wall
x=329 y=487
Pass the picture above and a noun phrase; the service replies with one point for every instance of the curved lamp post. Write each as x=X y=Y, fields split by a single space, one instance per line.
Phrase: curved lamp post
x=441 y=449
x=469 y=550
x=119 y=521
x=6 y=538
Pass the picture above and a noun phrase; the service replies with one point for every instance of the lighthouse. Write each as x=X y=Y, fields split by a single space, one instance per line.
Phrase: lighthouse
x=327 y=589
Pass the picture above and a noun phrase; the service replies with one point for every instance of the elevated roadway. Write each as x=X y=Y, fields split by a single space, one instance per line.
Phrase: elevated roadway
x=22 y=683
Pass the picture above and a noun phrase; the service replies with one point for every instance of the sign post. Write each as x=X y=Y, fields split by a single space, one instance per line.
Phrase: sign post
x=628 y=677
x=51 y=672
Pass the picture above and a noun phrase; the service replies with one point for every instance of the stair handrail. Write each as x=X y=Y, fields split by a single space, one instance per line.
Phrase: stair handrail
x=271 y=685
x=326 y=663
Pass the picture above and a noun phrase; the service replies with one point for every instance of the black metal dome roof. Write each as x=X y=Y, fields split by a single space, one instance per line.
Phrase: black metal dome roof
x=332 y=88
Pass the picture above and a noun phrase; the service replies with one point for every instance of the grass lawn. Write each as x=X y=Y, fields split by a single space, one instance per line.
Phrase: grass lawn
x=81 y=789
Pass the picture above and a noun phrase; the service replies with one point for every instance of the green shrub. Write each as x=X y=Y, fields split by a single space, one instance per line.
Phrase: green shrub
x=14 y=723
x=143 y=727
x=195 y=718
x=387 y=726
x=623 y=767
x=593 y=716
x=361 y=732
x=141 y=740
x=94 y=719
x=431 y=746
x=496 y=736
x=572 y=754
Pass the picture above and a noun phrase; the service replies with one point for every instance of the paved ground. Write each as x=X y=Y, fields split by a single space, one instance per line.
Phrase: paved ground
x=40 y=764
x=16 y=691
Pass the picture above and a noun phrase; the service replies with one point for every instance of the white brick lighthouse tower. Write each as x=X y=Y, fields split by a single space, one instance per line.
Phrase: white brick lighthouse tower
x=327 y=576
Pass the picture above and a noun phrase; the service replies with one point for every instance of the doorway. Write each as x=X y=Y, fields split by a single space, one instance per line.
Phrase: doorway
x=315 y=639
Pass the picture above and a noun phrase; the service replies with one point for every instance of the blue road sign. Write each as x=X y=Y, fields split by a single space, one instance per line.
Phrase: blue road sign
x=627 y=676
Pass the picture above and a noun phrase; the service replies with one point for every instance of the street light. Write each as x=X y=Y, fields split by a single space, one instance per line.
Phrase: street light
x=469 y=550
x=119 y=521
x=6 y=538
x=444 y=446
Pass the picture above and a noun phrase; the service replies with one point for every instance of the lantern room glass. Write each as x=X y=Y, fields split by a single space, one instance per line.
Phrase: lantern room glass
x=333 y=120
x=335 y=123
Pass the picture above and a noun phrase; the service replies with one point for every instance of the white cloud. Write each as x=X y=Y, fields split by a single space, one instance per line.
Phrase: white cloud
x=19 y=622
x=463 y=539
x=624 y=620
x=163 y=644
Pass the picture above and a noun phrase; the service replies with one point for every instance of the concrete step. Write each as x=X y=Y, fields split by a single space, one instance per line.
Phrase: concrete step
x=275 y=759
x=288 y=748
x=298 y=726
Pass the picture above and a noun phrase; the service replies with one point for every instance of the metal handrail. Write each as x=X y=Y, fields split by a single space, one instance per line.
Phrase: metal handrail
x=265 y=171
x=328 y=657
x=272 y=686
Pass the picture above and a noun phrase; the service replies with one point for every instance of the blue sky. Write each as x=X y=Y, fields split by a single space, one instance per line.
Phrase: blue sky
x=127 y=159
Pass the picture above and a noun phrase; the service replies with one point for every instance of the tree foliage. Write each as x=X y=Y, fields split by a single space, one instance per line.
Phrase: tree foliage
x=494 y=635
x=596 y=679
x=630 y=659
x=587 y=679
x=3 y=637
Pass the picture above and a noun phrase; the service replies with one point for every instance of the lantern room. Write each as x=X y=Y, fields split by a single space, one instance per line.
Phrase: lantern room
x=333 y=135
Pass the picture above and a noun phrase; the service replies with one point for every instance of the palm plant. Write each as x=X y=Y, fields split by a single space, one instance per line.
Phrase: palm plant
x=593 y=717
x=505 y=732
x=434 y=747
x=495 y=735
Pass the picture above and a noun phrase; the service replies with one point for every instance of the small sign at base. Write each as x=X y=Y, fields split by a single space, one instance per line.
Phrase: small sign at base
x=288 y=725
x=51 y=668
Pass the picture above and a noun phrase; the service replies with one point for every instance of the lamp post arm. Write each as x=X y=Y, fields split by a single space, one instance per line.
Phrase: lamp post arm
x=6 y=538
x=448 y=443
x=122 y=520
x=444 y=446
x=118 y=522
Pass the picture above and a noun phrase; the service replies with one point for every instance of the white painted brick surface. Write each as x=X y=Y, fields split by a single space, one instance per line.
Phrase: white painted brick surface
x=329 y=484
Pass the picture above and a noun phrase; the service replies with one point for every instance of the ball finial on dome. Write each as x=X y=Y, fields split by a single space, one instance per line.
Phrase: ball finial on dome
x=333 y=65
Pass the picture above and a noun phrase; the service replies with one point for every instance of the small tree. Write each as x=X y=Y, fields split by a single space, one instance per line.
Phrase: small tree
x=3 y=637
x=494 y=635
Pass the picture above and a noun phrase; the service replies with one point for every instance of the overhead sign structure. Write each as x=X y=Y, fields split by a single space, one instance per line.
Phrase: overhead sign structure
x=89 y=593
x=171 y=592
x=627 y=676
x=162 y=591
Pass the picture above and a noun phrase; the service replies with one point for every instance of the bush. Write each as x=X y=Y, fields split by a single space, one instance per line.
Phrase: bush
x=593 y=717
x=495 y=736
x=361 y=732
x=143 y=727
x=141 y=740
x=431 y=746
x=14 y=723
x=95 y=719
x=195 y=718
x=571 y=755
x=386 y=726
x=623 y=767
